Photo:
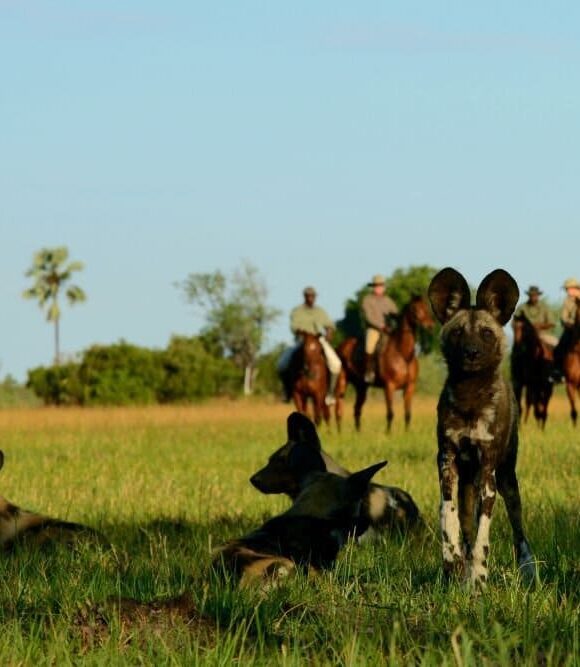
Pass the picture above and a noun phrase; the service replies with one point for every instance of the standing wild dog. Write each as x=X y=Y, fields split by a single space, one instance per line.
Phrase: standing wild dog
x=17 y=524
x=477 y=422
x=385 y=507
x=309 y=535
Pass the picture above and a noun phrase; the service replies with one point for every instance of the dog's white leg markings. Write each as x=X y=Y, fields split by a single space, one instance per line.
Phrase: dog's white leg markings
x=449 y=518
x=450 y=531
x=479 y=565
x=481 y=551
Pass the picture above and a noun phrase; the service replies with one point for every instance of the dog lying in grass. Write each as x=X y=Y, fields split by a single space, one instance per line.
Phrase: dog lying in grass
x=18 y=525
x=384 y=507
x=325 y=512
x=477 y=425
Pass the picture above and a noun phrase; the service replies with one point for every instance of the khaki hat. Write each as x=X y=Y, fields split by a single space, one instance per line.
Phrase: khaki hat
x=571 y=282
x=378 y=279
x=533 y=289
x=309 y=291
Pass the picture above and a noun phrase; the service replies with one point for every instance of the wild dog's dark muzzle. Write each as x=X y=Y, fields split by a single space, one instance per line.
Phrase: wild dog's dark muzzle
x=471 y=353
x=257 y=482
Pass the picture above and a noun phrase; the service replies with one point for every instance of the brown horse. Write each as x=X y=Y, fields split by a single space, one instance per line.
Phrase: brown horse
x=308 y=368
x=398 y=367
x=532 y=363
x=571 y=362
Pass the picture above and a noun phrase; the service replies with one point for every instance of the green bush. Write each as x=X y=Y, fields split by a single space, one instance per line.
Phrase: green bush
x=123 y=374
x=120 y=374
x=57 y=385
x=191 y=371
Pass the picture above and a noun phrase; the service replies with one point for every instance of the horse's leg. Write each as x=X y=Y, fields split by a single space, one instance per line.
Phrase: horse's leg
x=299 y=402
x=361 y=396
x=528 y=404
x=339 y=395
x=408 y=394
x=571 y=392
x=325 y=412
x=389 y=393
x=317 y=406
x=517 y=387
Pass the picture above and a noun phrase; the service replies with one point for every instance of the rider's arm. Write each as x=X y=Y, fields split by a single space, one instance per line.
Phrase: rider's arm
x=550 y=324
x=326 y=323
x=545 y=321
x=295 y=321
x=568 y=314
x=390 y=308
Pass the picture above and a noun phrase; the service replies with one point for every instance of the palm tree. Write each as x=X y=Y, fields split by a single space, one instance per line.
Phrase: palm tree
x=50 y=276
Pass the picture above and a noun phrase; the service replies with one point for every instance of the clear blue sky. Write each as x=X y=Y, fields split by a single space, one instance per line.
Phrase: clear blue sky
x=322 y=141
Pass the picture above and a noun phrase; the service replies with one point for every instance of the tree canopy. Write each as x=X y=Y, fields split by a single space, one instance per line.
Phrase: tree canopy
x=236 y=311
x=50 y=275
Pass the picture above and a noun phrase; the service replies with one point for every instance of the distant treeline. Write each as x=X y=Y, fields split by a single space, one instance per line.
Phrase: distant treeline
x=189 y=369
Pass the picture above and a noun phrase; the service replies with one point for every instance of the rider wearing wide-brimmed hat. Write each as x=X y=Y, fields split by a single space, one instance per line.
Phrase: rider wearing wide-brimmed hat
x=568 y=319
x=376 y=309
x=538 y=313
x=568 y=312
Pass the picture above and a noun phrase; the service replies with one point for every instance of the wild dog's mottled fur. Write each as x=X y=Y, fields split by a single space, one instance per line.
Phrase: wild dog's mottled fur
x=477 y=422
x=384 y=507
x=310 y=534
x=17 y=524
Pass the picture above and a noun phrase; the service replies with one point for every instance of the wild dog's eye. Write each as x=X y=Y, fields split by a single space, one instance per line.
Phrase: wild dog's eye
x=487 y=333
x=456 y=331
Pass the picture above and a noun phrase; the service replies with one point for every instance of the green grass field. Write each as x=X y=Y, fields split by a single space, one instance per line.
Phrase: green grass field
x=167 y=484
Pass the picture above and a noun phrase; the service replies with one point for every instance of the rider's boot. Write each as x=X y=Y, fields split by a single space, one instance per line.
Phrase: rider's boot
x=369 y=368
x=329 y=398
x=286 y=386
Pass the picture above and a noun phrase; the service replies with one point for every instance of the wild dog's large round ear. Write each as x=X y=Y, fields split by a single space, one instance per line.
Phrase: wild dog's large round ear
x=1 y=458
x=448 y=292
x=358 y=482
x=498 y=293
x=304 y=459
x=301 y=429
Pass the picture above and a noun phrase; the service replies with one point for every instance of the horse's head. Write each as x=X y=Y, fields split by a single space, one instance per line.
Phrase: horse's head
x=526 y=337
x=311 y=348
x=420 y=313
x=518 y=327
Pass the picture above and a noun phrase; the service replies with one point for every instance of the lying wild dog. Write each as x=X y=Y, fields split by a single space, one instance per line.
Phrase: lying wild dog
x=326 y=511
x=477 y=427
x=384 y=507
x=17 y=524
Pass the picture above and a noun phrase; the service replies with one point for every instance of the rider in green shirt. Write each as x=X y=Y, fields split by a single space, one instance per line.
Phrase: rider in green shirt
x=310 y=318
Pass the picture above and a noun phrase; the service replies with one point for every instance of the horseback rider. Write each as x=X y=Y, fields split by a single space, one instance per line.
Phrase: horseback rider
x=376 y=309
x=568 y=312
x=539 y=315
x=568 y=319
x=310 y=318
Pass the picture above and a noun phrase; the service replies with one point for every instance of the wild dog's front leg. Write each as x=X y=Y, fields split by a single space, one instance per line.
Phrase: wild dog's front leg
x=487 y=491
x=453 y=558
